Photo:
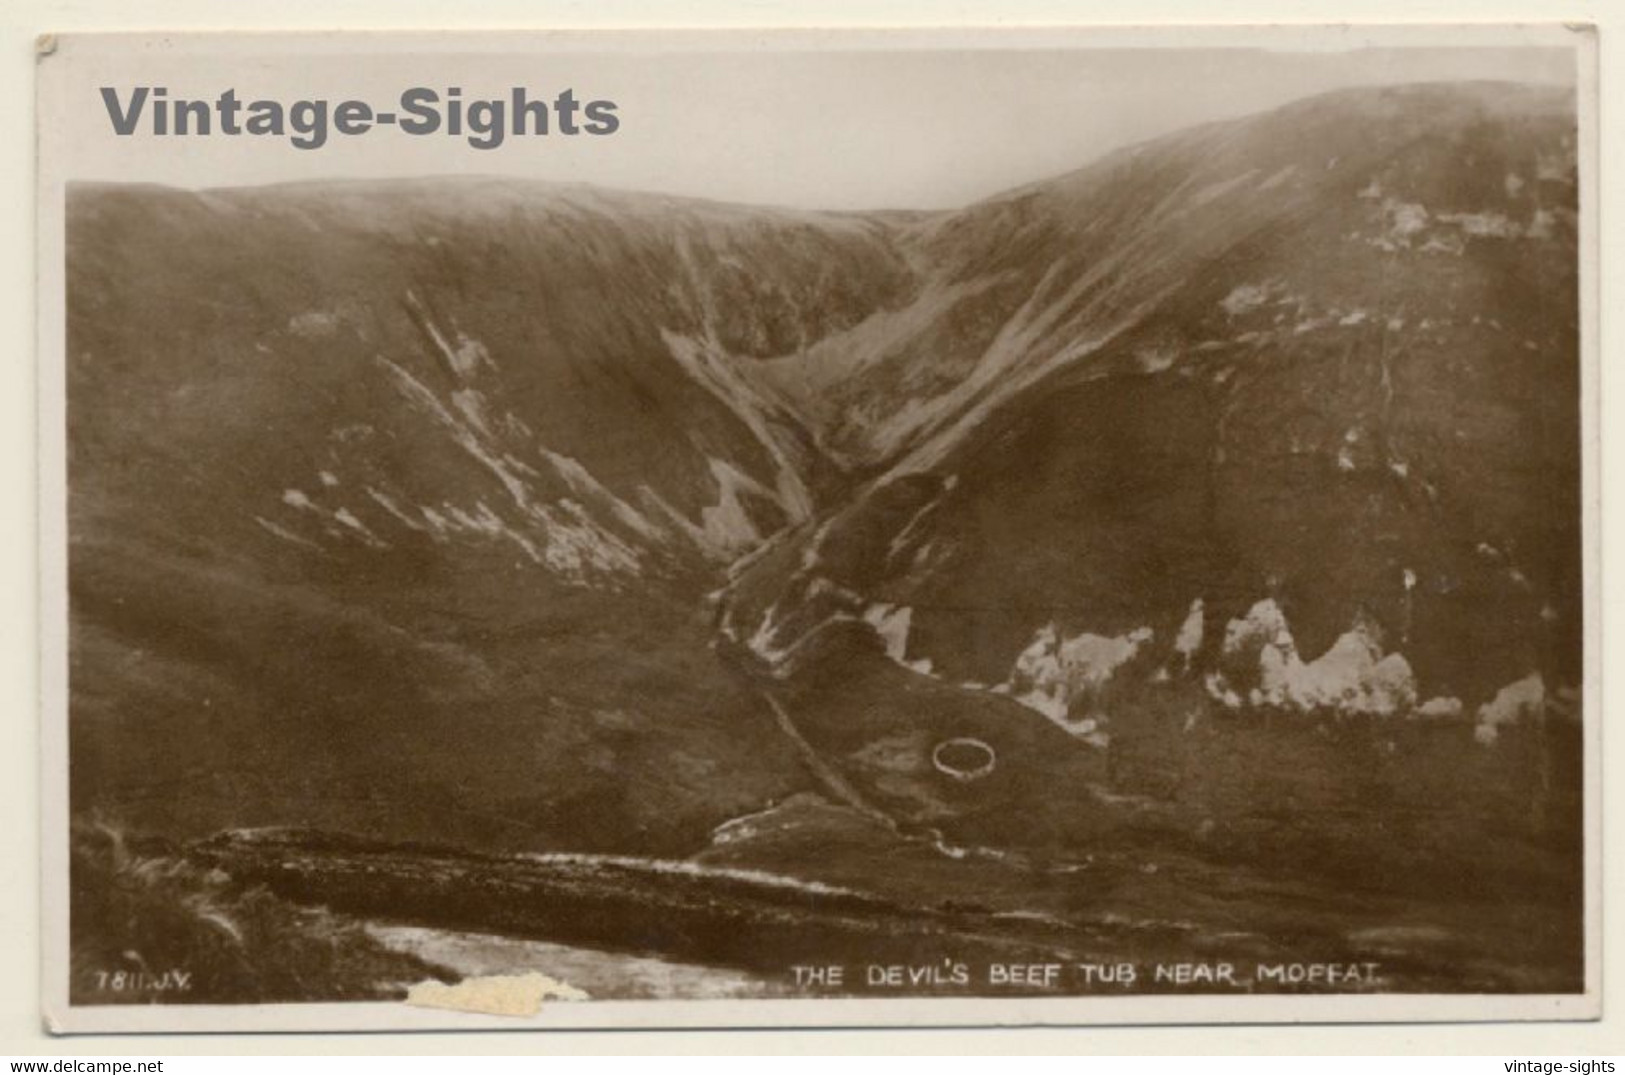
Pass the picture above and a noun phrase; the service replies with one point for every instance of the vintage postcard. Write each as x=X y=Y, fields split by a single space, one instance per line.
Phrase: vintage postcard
x=744 y=528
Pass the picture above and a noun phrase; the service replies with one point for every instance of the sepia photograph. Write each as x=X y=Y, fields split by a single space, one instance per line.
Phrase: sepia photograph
x=823 y=529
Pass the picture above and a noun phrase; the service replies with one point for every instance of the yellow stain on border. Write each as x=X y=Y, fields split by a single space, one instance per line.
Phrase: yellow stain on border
x=495 y=994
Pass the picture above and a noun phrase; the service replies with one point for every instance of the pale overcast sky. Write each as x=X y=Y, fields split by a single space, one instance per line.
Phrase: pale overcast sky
x=874 y=128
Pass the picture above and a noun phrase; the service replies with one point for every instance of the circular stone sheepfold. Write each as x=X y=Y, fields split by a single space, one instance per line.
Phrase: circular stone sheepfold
x=964 y=758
